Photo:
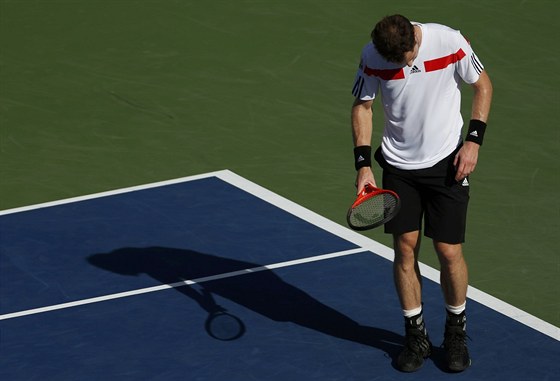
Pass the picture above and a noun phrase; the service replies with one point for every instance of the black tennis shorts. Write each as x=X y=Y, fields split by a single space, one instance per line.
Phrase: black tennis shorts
x=430 y=194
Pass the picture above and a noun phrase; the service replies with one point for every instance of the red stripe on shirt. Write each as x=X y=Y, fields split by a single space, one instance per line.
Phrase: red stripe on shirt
x=443 y=62
x=386 y=74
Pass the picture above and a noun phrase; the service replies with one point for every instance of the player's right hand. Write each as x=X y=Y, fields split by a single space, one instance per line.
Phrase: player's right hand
x=364 y=176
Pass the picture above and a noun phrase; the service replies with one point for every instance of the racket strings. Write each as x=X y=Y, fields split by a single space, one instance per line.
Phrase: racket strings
x=374 y=211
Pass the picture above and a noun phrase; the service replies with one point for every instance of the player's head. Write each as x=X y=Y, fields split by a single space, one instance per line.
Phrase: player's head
x=394 y=38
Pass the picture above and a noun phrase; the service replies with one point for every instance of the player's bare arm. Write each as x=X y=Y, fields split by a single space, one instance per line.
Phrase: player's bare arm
x=362 y=126
x=482 y=97
x=467 y=157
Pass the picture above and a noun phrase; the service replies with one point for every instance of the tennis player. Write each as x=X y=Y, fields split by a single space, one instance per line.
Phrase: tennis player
x=417 y=71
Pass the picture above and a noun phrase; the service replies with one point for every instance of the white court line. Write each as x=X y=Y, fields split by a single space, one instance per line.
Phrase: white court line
x=108 y=193
x=179 y=284
x=365 y=244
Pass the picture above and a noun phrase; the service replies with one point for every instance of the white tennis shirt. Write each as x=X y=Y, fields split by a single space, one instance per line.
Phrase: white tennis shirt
x=421 y=103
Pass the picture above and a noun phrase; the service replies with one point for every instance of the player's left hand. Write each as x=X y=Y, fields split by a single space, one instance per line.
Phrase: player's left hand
x=465 y=160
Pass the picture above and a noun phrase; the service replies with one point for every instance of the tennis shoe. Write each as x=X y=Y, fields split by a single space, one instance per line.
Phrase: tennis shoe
x=417 y=347
x=455 y=346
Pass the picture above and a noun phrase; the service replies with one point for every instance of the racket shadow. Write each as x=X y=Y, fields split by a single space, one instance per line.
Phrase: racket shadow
x=263 y=292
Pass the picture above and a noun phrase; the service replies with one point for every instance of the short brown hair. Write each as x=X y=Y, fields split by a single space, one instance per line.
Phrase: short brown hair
x=393 y=36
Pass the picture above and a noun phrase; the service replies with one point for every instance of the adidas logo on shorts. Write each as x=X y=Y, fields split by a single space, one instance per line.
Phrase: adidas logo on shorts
x=465 y=182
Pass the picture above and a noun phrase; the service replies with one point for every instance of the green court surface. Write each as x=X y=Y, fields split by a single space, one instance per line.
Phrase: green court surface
x=104 y=94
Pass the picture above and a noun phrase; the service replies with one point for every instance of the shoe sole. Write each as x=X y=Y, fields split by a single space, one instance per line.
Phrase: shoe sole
x=460 y=369
x=411 y=370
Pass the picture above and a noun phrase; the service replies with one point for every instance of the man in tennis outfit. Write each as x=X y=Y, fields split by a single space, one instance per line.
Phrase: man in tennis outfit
x=416 y=70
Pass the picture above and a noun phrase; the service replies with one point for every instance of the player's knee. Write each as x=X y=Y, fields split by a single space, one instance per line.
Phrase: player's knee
x=449 y=253
x=407 y=243
x=406 y=250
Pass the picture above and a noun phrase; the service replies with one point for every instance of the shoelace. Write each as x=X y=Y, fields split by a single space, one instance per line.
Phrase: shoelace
x=416 y=340
x=456 y=340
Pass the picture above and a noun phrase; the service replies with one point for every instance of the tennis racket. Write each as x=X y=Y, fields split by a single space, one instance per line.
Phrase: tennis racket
x=373 y=208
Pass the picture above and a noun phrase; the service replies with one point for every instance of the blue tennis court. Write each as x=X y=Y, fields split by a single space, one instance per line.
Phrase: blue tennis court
x=121 y=286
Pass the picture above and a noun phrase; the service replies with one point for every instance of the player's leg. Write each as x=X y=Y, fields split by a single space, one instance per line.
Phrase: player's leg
x=406 y=273
x=445 y=222
x=453 y=273
x=454 y=283
x=408 y=283
x=446 y=217
x=405 y=228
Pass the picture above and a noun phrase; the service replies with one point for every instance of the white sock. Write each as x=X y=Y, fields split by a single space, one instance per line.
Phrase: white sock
x=412 y=312
x=456 y=310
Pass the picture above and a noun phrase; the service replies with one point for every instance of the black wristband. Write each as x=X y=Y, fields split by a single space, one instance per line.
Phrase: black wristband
x=477 y=128
x=362 y=157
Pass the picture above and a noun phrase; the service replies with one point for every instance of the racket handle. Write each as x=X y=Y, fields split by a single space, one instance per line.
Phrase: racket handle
x=368 y=188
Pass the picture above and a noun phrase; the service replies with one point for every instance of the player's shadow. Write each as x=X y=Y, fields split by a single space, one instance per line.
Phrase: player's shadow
x=263 y=292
